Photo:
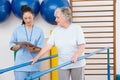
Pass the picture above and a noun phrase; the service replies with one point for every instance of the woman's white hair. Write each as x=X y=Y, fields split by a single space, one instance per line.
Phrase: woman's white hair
x=66 y=12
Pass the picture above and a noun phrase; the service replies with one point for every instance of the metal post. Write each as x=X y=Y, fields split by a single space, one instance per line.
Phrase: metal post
x=108 y=63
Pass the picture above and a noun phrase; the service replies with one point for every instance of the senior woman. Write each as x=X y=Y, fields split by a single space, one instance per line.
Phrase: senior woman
x=70 y=42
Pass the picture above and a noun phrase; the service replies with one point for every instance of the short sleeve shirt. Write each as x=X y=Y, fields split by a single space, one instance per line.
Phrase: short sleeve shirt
x=34 y=36
x=67 y=40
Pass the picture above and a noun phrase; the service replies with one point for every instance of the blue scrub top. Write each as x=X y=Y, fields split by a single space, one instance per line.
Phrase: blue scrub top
x=34 y=36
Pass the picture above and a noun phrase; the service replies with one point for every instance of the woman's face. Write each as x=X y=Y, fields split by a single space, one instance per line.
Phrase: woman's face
x=60 y=19
x=28 y=18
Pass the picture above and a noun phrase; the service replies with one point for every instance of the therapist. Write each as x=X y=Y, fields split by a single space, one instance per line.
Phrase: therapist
x=26 y=32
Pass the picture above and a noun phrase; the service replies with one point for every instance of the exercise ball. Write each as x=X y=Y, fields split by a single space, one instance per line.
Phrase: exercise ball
x=5 y=10
x=48 y=7
x=17 y=4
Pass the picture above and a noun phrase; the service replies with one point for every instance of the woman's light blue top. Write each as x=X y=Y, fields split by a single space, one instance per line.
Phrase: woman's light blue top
x=34 y=36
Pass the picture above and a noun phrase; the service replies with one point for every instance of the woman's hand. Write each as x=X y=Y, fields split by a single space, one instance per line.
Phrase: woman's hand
x=16 y=47
x=78 y=53
x=74 y=58
x=34 y=60
x=41 y=53
x=29 y=48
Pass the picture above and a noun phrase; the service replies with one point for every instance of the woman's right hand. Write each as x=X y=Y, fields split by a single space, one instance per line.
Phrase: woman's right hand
x=34 y=60
x=16 y=47
x=42 y=51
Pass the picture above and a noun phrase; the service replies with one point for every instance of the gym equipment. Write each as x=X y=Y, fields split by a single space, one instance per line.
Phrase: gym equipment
x=25 y=64
x=41 y=73
x=5 y=10
x=16 y=6
x=54 y=62
x=48 y=7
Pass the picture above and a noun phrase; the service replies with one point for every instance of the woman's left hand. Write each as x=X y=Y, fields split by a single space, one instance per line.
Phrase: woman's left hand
x=74 y=58
x=34 y=60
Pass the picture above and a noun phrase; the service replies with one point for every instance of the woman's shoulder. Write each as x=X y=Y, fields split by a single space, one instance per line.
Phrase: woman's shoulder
x=38 y=29
x=76 y=25
x=19 y=27
x=56 y=29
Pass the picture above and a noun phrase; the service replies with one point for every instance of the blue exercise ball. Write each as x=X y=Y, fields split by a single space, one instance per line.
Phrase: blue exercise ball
x=48 y=7
x=17 y=4
x=5 y=10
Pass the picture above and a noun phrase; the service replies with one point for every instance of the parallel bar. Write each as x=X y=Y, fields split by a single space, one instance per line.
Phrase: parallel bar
x=25 y=64
x=36 y=75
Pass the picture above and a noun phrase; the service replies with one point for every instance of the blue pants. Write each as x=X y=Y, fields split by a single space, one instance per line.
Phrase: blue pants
x=20 y=75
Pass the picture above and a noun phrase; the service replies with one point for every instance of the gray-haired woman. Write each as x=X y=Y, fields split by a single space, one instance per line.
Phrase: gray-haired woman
x=70 y=42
